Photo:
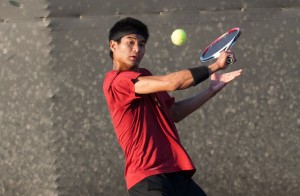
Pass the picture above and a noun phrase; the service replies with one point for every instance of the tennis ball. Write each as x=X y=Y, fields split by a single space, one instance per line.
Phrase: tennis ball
x=178 y=37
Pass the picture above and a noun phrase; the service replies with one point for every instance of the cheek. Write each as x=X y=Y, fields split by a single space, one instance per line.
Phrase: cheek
x=142 y=51
x=122 y=51
x=142 y=54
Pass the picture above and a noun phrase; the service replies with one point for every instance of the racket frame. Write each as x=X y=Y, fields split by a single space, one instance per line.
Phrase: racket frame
x=226 y=47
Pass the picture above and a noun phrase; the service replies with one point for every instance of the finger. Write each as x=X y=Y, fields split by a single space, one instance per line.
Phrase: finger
x=232 y=76
x=227 y=77
x=237 y=72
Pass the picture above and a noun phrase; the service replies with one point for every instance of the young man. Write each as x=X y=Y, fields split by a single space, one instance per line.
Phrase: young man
x=144 y=114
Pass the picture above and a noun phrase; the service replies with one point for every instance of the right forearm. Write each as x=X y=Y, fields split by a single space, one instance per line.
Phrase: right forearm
x=184 y=79
x=170 y=82
x=178 y=80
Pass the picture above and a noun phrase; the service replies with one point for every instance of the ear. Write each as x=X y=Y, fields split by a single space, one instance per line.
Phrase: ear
x=112 y=45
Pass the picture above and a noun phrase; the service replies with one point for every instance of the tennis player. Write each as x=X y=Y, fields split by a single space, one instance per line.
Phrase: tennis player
x=144 y=114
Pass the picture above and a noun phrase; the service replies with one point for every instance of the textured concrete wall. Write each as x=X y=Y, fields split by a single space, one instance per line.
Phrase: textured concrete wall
x=56 y=133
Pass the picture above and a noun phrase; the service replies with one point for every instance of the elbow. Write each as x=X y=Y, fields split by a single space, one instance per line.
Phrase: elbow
x=176 y=114
x=172 y=86
x=176 y=120
x=173 y=82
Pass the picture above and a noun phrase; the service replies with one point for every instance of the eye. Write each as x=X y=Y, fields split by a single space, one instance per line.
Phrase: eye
x=131 y=42
x=142 y=44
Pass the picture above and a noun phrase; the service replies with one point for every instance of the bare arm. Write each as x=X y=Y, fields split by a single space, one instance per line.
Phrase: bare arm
x=183 y=108
x=170 y=82
x=177 y=80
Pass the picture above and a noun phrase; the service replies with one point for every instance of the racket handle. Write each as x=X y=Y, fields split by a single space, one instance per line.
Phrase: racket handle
x=229 y=60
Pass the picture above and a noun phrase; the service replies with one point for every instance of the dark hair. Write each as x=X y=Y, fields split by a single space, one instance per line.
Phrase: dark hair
x=127 y=26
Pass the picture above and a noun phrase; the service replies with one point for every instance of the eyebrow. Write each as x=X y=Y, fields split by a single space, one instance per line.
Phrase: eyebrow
x=130 y=37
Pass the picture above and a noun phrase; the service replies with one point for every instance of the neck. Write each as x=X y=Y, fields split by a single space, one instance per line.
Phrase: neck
x=118 y=67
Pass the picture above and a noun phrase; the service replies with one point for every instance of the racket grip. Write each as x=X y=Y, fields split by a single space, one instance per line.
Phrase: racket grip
x=229 y=60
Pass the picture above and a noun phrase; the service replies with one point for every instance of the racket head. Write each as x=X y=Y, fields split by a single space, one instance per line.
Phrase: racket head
x=224 y=42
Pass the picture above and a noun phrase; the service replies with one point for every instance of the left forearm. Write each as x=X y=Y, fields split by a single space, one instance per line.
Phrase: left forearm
x=183 y=108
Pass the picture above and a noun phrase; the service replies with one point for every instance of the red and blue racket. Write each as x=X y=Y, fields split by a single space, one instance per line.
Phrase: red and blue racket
x=224 y=42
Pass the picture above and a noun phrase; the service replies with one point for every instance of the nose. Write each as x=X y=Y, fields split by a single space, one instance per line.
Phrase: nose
x=136 y=47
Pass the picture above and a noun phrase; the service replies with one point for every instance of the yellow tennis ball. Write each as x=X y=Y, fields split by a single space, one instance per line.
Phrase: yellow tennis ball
x=178 y=37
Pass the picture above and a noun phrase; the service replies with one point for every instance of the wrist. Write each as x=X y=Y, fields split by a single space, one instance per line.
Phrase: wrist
x=199 y=74
x=213 y=68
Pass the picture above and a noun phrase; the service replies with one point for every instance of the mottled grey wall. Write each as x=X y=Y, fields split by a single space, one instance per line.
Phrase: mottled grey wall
x=56 y=133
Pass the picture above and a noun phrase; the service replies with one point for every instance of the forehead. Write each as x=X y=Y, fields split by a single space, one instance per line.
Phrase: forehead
x=134 y=36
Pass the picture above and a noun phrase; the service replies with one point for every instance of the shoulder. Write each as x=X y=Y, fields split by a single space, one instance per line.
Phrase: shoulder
x=113 y=75
x=145 y=72
x=119 y=78
x=121 y=75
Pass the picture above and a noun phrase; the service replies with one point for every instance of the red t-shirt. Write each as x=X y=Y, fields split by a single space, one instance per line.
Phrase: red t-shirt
x=145 y=129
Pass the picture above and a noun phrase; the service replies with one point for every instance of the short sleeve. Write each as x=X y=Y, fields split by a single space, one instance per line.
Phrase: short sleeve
x=123 y=87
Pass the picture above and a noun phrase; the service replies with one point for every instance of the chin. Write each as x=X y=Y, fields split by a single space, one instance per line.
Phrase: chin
x=134 y=63
x=134 y=66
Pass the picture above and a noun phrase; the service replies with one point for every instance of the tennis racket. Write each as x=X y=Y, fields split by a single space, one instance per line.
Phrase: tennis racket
x=224 y=42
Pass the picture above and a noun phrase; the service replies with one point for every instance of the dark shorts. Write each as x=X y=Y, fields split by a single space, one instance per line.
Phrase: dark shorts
x=173 y=184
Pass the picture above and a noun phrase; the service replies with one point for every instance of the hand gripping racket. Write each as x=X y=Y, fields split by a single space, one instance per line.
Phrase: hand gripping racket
x=224 y=42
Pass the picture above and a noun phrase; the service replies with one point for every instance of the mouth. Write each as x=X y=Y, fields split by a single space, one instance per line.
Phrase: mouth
x=133 y=58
